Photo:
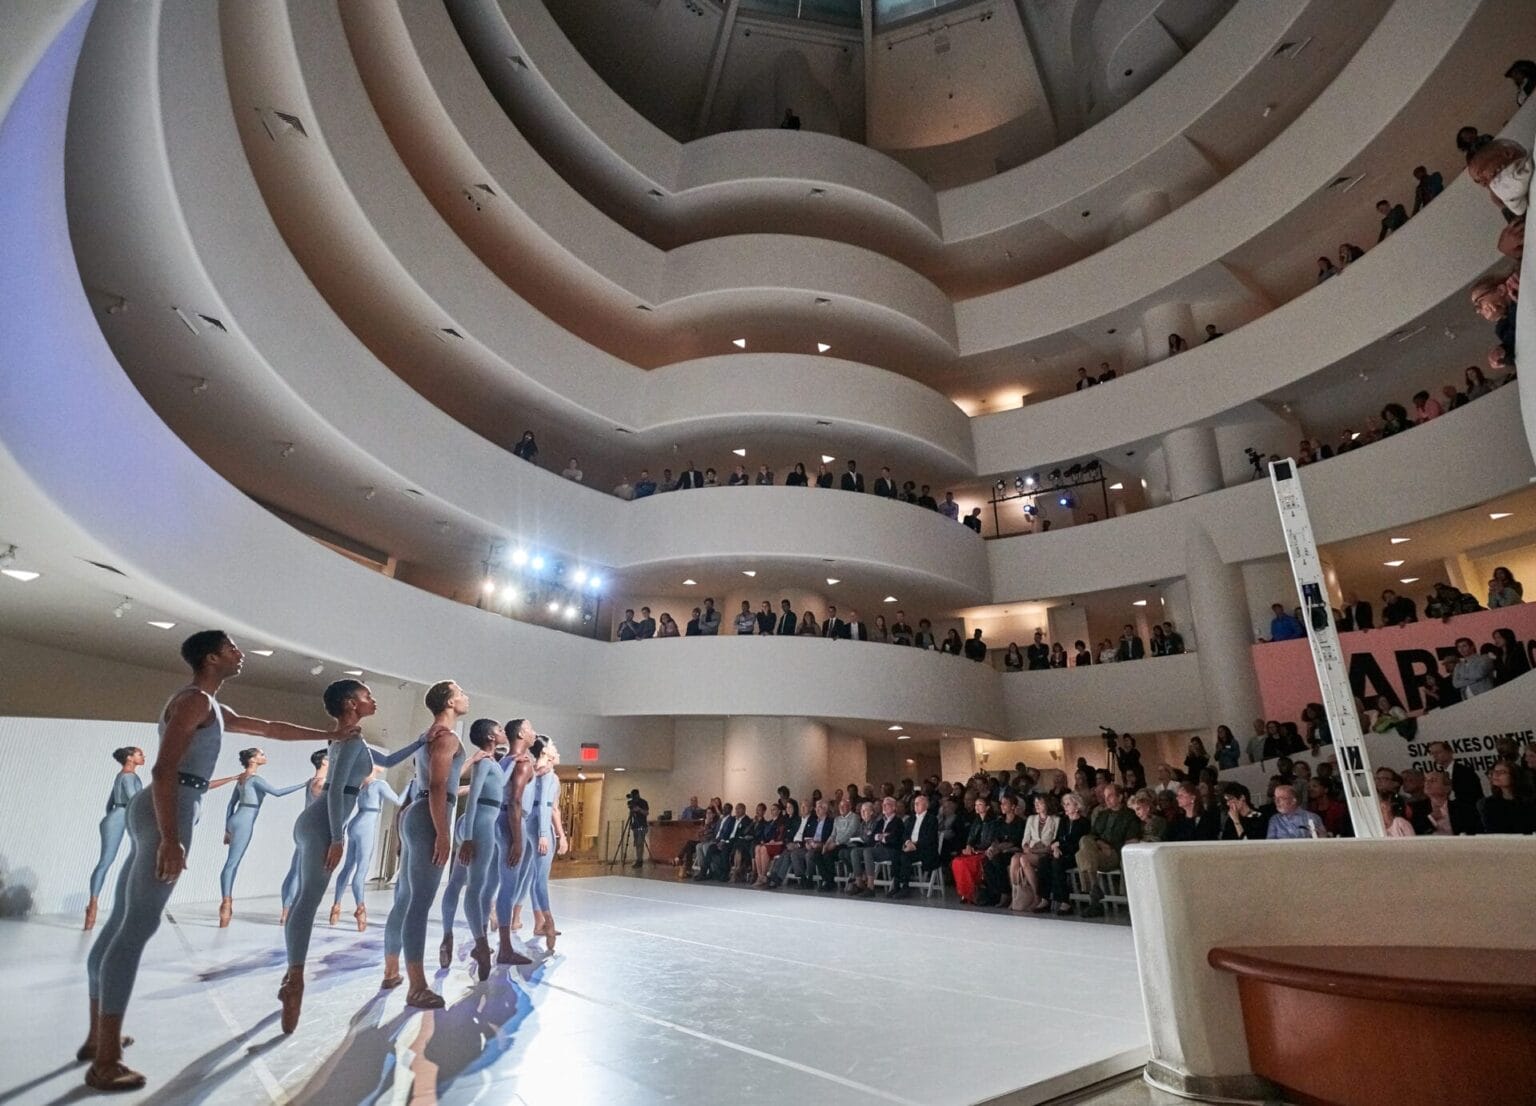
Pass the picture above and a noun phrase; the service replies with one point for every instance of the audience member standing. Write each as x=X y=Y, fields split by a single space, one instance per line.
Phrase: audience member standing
x=647 y=624
x=746 y=622
x=1428 y=187
x=527 y=447
x=1392 y=217
x=709 y=620
x=853 y=479
x=975 y=648
x=884 y=485
x=787 y=621
x=1039 y=653
x=1131 y=646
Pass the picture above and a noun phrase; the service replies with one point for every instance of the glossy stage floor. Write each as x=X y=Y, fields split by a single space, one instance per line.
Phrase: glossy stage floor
x=659 y=992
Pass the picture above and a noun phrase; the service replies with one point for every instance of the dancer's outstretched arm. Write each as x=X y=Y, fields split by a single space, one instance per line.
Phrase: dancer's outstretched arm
x=389 y=760
x=272 y=731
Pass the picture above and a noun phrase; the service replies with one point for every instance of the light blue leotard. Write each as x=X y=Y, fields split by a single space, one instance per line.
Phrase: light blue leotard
x=240 y=823
x=538 y=890
x=506 y=877
x=487 y=785
x=458 y=875
x=113 y=823
x=139 y=902
x=291 y=879
x=405 y=933
x=362 y=832
x=533 y=829
x=321 y=825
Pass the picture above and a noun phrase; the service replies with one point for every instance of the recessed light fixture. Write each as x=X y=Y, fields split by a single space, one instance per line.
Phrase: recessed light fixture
x=262 y=652
x=827 y=460
x=1399 y=541
x=739 y=343
x=20 y=574
x=1393 y=564
x=352 y=672
x=1496 y=515
x=832 y=580
x=749 y=572
x=1120 y=487
x=1409 y=580
x=822 y=347
x=894 y=728
x=1355 y=437
x=904 y=737
x=162 y=625
x=890 y=599
x=1143 y=483
x=621 y=769
x=689 y=583
x=1139 y=603
x=739 y=452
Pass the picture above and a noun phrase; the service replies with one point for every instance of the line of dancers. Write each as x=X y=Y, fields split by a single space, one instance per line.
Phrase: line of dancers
x=506 y=839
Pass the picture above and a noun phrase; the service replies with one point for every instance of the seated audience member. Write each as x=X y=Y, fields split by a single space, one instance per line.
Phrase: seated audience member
x=924 y=638
x=644 y=486
x=693 y=811
x=745 y=623
x=1290 y=819
x=716 y=858
x=1229 y=754
x=1333 y=814
x=1199 y=822
x=973 y=520
x=709 y=620
x=1394 y=818
x=1503 y=167
x=1113 y=826
x=1492 y=299
x=1348 y=254
x=1326 y=270
x=952 y=643
x=1474 y=671
x=1143 y=804
x=880 y=633
x=1039 y=653
x=766 y=620
x=975 y=648
x=527 y=447
x=772 y=834
x=668 y=628
x=862 y=840
x=708 y=822
x=853 y=479
x=1513 y=661
x=1425 y=408
x=967 y=867
x=1442 y=816
x=889 y=833
x=1058 y=655
x=624 y=489
x=1504 y=590
x=1426 y=187
x=1131 y=647
x=1242 y=821
x=919 y=847
x=809 y=833
x=949 y=508
x=808 y=625
x=951 y=826
x=1057 y=865
x=1013 y=659
x=1040 y=831
x=901 y=631
x=925 y=499
x=1387 y=716
x=1392 y=217
x=1397 y=610
x=629 y=629
x=797 y=477
x=835 y=847
x=1007 y=838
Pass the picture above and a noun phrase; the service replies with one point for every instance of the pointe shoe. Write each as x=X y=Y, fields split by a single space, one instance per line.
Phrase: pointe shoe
x=445 y=952
x=90 y=914
x=425 y=999
x=361 y=914
x=335 y=912
x=291 y=995
x=226 y=911
x=88 y=1051
x=113 y=1077
x=481 y=955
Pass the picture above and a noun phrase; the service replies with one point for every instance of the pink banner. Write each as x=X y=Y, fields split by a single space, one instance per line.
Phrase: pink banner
x=1391 y=661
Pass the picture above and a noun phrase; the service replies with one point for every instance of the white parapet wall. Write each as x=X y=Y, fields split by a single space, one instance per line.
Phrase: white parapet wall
x=1186 y=899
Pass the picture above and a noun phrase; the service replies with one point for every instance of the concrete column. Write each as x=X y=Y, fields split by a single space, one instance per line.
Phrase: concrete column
x=847 y=761
x=1219 y=605
x=1194 y=465
x=1068 y=624
x=957 y=758
x=762 y=753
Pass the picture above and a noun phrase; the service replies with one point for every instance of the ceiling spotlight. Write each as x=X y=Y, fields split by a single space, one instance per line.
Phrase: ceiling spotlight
x=21 y=574
x=1143 y=483
x=749 y=572
x=570 y=611
x=689 y=583
x=317 y=669
x=1409 y=580
x=352 y=672
x=831 y=580
x=1393 y=564
x=579 y=576
x=519 y=557
x=1067 y=501
x=536 y=563
x=122 y=608
x=162 y=625
x=594 y=583
x=999 y=488
x=1399 y=541
x=1031 y=480
x=509 y=593
x=739 y=343
x=552 y=606
x=1355 y=437
x=1496 y=515
x=262 y=652
x=827 y=460
x=1030 y=510
x=1118 y=486
x=1055 y=476
x=822 y=347
x=489 y=586
x=739 y=452
x=890 y=599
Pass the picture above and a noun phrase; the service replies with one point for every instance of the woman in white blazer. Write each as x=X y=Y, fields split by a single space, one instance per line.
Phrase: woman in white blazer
x=1039 y=831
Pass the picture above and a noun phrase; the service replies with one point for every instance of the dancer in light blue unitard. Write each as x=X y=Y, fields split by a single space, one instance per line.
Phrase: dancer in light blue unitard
x=245 y=803
x=362 y=833
x=115 y=821
x=314 y=793
x=478 y=854
x=517 y=766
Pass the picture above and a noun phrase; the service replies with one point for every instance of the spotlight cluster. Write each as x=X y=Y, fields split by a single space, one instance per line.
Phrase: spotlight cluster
x=533 y=581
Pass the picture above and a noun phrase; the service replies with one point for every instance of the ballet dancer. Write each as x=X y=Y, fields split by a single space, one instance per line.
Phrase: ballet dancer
x=362 y=832
x=549 y=827
x=316 y=791
x=160 y=818
x=426 y=835
x=521 y=823
x=113 y=822
x=319 y=833
x=240 y=822
x=479 y=851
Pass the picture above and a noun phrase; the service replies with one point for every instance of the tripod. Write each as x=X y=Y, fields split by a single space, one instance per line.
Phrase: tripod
x=620 y=854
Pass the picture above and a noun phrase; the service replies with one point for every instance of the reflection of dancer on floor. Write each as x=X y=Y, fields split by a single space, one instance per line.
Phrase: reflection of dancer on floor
x=240 y=822
x=362 y=832
x=479 y=853
x=114 y=821
x=512 y=841
x=426 y=836
x=160 y=820
x=319 y=834
x=552 y=841
x=315 y=791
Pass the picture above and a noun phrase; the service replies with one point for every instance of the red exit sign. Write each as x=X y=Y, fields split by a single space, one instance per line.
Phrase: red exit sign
x=589 y=752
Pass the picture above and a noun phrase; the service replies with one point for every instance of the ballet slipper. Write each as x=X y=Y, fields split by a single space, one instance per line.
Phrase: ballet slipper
x=361 y=914
x=291 y=995
x=90 y=913
x=445 y=951
x=113 y=1077
x=88 y=1051
x=425 y=998
x=390 y=982
x=481 y=955
x=335 y=912
x=226 y=911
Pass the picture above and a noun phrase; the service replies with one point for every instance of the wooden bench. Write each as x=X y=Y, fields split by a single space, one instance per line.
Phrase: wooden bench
x=1405 y=1025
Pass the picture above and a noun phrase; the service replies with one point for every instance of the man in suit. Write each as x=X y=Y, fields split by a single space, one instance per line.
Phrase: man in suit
x=833 y=627
x=925 y=499
x=889 y=833
x=1038 y=654
x=920 y=847
x=766 y=619
x=1131 y=647
x=647 y=624
x=853 y=479
x=690 y=477
x=629 y=629
x=693 y=625
x=853 y=629
x=801 y=848
x=787 y=619
x=719 y=842
x=901 y=630
x=885 y=486
x=1465 y=786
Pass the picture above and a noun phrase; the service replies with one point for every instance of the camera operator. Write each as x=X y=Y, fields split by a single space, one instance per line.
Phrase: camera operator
x=639 y=824
x=1127 y=758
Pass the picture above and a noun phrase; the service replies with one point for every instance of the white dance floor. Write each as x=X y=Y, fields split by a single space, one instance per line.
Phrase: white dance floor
x=659 y=992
